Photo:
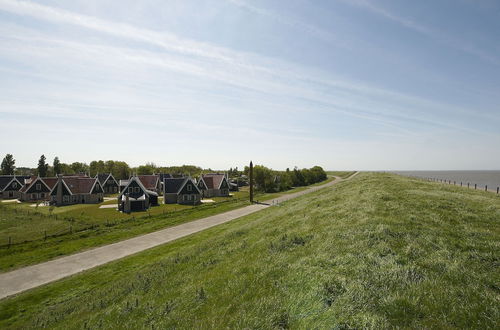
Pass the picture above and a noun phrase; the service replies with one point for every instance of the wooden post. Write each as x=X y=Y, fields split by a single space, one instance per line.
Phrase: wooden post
x=475 y=186
x=486 y=188
x=468 y=185
x=460 y=184
x=498 y=188
x=251 y=182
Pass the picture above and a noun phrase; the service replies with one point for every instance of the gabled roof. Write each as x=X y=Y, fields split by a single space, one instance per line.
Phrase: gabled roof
x=213 y=180
x=48 y=182
x=136 y=179
x=149 y=181
x=80 y=185
x=175 y=185
x=5 y=181
x=104 y=177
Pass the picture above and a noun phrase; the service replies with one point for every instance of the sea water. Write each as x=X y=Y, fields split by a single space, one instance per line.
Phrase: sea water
x=481 y=178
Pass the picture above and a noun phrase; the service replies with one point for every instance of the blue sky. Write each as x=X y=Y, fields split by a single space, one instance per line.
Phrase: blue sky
x=345 y=84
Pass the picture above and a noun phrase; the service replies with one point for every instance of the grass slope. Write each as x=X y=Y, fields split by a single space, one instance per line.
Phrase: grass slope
x=74 y=228
x=378 y=251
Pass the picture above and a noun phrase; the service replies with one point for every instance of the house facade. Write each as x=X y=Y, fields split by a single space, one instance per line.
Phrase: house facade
x=10 y=186
x=76 y=190
x=181 y=191
x=37 y=189
x=108 y=183
x=214 y=185
x=135 y=197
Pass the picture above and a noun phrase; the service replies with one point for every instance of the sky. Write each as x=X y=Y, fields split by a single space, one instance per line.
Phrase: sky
x=344 y=84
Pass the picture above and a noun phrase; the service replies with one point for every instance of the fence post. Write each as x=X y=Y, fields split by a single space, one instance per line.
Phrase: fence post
x=460 y=183
x=498 y=188
x=475 y=186
x=486 y=188
x=468 y=185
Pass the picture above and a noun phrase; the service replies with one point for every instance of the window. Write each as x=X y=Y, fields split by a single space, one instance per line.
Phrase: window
x=14 y=185
x=66 y=198
x=130 y=190
x=33 y=196
x=42 y=195
x=137 y=189
x=189 y=187
x=73 y=198
x=38 y=186
x=114 y=189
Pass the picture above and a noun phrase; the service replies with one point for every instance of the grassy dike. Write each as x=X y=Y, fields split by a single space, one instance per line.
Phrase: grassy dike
x=377 y=251
x=99 y=231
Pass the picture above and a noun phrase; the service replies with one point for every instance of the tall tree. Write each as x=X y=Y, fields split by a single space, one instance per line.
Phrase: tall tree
x=8 y=166
x=43 y=167
x=57 y=166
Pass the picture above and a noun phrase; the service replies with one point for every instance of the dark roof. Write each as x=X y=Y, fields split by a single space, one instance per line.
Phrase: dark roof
x=5 y=180
x=164 y=176
x=79 y=185
x=102 y=177
x=173 y=185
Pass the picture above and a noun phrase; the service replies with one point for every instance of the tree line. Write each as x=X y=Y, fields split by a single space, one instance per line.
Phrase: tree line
x=119 y=169
x=268 y=180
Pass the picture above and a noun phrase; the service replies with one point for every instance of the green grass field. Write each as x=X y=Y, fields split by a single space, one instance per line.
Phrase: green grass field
x=378 y=251
x=41 y=233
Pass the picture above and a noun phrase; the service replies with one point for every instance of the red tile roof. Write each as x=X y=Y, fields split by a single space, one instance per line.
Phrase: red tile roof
x=51 y=182
x=79 y=185
x=149 y=181
x=213 y=180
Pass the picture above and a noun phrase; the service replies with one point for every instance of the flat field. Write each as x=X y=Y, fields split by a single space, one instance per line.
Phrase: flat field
x=378 y=251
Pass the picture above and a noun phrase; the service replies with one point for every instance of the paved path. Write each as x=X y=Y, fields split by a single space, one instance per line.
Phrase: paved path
x=32 y=276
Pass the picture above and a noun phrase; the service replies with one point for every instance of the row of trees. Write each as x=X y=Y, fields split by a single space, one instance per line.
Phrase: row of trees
x=268 y=180
x=119 y=169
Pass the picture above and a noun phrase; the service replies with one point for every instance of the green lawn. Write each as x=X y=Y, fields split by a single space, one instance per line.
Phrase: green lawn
x=378 y=251
x=41 y=233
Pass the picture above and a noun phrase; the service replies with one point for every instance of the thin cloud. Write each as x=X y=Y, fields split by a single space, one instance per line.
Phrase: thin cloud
x=462 y=45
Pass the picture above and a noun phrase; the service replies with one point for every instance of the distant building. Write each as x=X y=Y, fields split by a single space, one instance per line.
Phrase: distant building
x=37 y=189
x=181 y=191
x=214 y=185
x=122 y=184
x=108 y=183
x=135 y=197
x=10 y=186
x=76 y=190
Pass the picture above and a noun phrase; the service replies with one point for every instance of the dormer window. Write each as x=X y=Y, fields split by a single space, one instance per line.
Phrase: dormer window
x=130 y=190
x=189 y=187
x=137 y=189
x=14 y=185
x=38 y=186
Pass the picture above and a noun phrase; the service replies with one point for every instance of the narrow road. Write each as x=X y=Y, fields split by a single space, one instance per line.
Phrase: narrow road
x=30 y=277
